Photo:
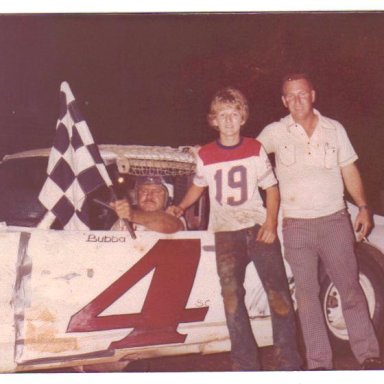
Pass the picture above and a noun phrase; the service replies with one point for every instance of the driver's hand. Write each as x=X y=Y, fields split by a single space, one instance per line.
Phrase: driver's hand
x=122 y=208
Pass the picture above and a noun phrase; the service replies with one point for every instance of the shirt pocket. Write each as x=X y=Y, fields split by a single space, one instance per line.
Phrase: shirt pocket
x=286 y=154
x=330 y=157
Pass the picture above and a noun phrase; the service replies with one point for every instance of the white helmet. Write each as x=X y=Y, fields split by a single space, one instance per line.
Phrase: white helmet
x=158 y=180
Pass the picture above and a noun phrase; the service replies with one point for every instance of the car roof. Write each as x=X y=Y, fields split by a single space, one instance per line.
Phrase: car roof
x=112 y=151
x=132 y=158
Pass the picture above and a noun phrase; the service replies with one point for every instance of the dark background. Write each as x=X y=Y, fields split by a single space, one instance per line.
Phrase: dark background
x=148 y=78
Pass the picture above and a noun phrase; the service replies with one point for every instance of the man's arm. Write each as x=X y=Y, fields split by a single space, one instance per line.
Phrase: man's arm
x=354 y=185
x=159 y=221
x=268 y=231
x=193 y=194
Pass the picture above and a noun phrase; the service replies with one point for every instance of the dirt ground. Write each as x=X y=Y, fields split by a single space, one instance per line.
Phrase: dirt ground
x=218 y=362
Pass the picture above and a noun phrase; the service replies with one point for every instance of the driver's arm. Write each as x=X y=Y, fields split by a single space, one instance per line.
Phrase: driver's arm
x=158 y=221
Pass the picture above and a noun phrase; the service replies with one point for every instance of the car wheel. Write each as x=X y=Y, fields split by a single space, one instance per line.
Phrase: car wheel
x=371 y=274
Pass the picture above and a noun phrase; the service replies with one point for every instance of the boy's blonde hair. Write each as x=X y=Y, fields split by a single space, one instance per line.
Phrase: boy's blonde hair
x=232 y=97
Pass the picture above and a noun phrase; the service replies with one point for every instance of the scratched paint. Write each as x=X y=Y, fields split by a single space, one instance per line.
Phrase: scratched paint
x=90 y=272
x=68 y=276
x=41 y=333
x=44 y=338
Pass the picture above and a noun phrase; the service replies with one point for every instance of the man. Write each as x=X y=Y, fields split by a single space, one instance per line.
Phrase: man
x=314 y=161
x=153 y=195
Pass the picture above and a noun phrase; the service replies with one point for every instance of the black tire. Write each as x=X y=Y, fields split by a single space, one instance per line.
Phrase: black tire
x=371 y=269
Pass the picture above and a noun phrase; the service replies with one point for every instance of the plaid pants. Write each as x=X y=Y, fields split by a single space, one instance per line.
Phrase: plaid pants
x=330 y=239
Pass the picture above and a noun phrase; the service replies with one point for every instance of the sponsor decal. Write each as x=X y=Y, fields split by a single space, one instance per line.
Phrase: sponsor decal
x=92 y=238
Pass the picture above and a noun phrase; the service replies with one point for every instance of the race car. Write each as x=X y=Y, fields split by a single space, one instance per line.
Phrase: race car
x=75 y=298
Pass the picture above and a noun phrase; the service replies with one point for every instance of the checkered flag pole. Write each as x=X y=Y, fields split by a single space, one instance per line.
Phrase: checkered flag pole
x=75 y=168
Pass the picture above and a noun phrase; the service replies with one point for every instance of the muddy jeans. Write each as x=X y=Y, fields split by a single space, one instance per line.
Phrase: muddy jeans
x=234 y=250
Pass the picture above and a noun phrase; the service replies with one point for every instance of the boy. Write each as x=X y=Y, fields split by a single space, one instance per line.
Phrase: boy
x=233 y=168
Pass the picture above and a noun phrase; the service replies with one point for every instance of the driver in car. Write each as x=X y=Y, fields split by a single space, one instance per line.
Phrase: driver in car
x=153 y=195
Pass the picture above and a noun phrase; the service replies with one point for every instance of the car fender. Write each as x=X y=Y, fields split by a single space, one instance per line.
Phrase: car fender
x=83 y=297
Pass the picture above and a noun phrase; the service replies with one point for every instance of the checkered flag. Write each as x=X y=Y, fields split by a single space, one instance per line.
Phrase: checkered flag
x=75 y=168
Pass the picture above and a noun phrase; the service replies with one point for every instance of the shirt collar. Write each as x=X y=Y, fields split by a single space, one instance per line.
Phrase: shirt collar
x=291 y=124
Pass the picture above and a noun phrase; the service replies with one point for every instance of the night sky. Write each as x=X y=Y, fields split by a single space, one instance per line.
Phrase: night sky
x=148 y=78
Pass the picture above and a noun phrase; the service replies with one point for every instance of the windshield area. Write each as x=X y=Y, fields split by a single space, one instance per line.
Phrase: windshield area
x=103 y=218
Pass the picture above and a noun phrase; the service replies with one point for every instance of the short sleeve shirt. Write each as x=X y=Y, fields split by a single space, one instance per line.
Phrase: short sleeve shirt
x=233 y=175
x=309 y=169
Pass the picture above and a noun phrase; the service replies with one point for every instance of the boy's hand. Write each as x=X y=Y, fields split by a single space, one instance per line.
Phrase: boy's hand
x=175 y=210
x=122 y=209
x=267 y=233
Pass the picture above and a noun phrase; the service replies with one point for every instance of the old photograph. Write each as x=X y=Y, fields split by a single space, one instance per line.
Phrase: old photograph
x=191 y=192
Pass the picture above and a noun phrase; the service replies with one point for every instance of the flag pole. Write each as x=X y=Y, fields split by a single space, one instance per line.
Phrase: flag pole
x=46 y=221
x=127 y=223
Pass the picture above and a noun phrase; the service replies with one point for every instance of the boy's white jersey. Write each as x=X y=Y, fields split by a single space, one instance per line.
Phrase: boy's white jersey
x=234 y=175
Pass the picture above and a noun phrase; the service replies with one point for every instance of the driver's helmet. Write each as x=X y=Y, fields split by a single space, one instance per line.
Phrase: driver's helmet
x=158 y=180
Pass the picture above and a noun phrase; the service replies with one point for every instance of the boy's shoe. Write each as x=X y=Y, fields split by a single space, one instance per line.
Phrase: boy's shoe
x=372 y=363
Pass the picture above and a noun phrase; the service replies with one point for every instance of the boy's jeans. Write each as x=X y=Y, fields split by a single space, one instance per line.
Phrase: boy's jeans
x=234 y=250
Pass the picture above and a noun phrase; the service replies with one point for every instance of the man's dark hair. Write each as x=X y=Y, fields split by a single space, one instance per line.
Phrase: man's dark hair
x=296 y=76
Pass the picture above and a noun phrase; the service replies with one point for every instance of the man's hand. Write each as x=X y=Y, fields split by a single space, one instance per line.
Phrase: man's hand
x=122 y=209
x=175 y=210
x=354 y=185
x=363 y=224
x=267 y=233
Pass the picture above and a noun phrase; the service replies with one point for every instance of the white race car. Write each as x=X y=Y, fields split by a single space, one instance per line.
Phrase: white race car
x=74 y=298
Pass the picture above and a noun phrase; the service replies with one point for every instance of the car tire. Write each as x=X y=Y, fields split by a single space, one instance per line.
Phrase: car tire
x=371 y=272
